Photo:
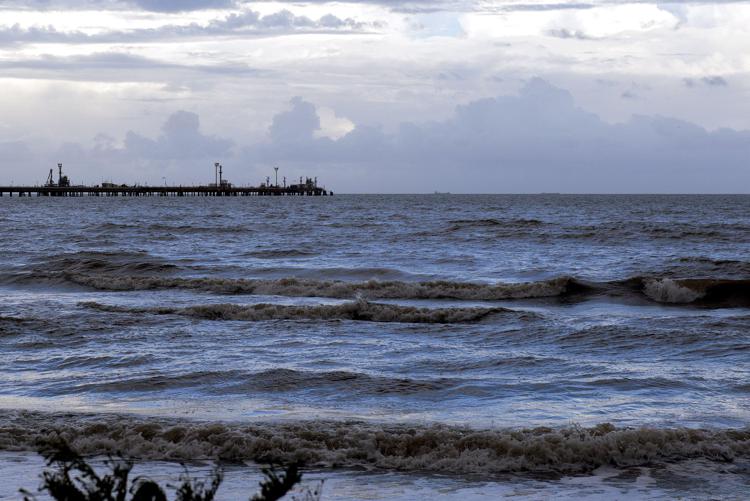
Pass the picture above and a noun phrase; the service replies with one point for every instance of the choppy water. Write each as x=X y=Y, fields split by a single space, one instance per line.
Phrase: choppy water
x=491 y=339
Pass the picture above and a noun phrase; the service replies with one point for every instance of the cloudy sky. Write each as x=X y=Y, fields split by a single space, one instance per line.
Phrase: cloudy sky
x=380 y=95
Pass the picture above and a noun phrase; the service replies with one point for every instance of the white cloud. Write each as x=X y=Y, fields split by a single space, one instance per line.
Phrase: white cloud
x=331 y=125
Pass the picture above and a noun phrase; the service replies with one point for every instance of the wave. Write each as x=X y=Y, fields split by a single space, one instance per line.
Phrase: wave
x=523 y=228
x=336 y=273
x=496 y=222
x=460 y=224
x=699 y=291
x=666 y=290
x=357 y=310
x=117 y=263
x=725 y=268
x=140 y=271
x=424 y=448
x=273 y=381
x=337 y=289
x=167 y=228
x=191 y=229
x=280 y=253
x=612 y=231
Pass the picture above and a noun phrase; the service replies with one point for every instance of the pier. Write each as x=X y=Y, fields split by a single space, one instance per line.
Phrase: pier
x=158 y=191
x=221 y=188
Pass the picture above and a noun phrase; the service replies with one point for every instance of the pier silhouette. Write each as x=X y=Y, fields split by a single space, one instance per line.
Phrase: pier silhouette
x=221 y=188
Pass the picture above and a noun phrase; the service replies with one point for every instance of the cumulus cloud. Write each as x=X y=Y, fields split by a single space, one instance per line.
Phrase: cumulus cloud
x=181 y=139
x=295 y=126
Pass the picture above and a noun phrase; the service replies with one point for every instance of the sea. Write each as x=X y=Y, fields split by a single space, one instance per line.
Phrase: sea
x=399 y=346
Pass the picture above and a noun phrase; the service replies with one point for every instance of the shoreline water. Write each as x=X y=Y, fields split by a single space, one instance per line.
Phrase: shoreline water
x=438 y=324
x=355 y=445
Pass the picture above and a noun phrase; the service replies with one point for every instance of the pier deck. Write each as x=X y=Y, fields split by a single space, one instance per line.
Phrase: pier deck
x=161 y=191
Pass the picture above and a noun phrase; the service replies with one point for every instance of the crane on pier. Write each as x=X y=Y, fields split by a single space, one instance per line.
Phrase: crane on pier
x=62 y=181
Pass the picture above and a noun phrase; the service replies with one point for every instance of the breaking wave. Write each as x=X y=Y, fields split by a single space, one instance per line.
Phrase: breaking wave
x=357 y=310
x=336 y=289
x=700 y=291
x=425 y=448
x=141 y=271
x=666 y=290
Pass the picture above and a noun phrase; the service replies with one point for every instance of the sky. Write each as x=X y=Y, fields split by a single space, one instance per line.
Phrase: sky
x=380 y=96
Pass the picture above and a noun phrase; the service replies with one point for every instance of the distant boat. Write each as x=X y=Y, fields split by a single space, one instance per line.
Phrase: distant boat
x=442 y=193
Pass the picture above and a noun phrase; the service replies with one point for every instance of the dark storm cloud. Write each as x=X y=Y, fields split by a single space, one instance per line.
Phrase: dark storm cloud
x=181 y=5
x=538 y=138
x=541 y=7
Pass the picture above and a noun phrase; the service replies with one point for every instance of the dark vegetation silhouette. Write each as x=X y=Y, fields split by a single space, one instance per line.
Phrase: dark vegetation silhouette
x=69 y=477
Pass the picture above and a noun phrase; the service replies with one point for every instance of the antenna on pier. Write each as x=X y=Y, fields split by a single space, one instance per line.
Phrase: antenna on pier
x=221 y=174
x=284 y=181
x=216 y=173
x=277 y=176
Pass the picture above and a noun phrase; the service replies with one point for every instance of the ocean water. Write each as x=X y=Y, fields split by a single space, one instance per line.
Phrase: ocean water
x=445 y=346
